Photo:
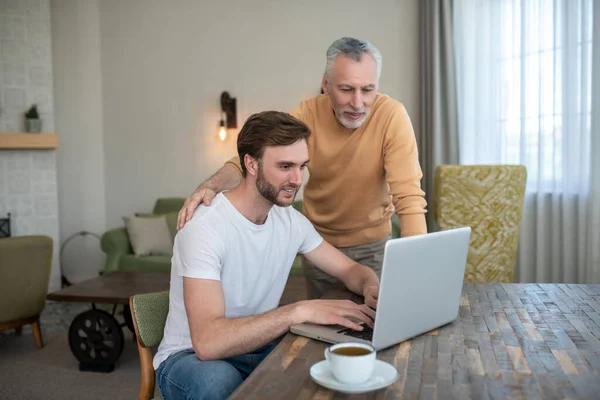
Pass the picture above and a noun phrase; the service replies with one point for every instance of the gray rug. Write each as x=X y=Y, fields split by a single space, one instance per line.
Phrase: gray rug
x=27 y=372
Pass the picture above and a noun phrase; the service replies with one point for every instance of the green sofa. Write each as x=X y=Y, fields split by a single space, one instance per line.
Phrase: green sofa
x=119 y=254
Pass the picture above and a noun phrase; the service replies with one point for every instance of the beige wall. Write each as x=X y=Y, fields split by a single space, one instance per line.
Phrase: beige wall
x=79 y=123
x=164 y=64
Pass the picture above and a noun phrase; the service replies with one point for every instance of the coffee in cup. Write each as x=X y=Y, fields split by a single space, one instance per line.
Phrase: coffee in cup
x=351 y=363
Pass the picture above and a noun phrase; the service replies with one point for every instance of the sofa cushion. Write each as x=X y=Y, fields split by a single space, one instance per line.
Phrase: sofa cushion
x=171 y=221
x=149 y=235
x=130 y=262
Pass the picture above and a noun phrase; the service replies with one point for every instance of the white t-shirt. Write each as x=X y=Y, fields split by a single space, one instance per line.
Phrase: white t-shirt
x=251 y=261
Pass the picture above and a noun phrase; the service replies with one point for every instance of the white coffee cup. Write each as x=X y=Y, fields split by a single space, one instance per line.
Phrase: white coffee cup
x=349 y=368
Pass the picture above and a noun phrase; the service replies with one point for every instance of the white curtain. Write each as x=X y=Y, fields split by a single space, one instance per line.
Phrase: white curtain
x=594 y=225
x=524 y=77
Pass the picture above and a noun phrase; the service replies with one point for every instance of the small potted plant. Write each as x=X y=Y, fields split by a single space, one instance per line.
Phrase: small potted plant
x=33 y=123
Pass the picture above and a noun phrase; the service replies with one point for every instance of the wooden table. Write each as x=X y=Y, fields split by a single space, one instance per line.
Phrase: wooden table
x=511 y=341
x=114 y=288
x=95 y=336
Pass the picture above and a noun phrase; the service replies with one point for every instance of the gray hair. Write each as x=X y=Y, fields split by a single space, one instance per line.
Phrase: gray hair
x=354 y=49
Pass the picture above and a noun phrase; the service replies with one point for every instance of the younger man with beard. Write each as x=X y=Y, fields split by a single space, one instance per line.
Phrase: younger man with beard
x=231 y=262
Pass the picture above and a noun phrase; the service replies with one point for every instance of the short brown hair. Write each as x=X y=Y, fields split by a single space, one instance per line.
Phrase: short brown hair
x=268 y=128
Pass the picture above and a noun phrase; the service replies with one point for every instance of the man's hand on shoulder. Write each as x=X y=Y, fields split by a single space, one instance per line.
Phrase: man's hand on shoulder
x=331 y=312
x=202 y=195
x=226 y=178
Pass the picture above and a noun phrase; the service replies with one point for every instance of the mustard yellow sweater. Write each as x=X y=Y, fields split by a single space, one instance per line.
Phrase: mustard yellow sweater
x=358 y=176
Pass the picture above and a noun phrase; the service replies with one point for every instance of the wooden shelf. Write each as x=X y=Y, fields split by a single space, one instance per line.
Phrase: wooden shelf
x=28 y=141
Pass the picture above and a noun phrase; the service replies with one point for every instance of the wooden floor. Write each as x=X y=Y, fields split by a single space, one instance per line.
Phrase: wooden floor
x=294 y=291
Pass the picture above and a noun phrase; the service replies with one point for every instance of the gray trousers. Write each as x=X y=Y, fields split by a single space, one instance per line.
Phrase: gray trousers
x=318 y=282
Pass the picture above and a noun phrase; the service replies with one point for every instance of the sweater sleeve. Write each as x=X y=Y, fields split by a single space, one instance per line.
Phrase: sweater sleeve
x=403 y=173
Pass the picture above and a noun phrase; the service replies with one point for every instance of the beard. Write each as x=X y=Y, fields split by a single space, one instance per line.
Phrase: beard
x=347 y=122
x=270 y=192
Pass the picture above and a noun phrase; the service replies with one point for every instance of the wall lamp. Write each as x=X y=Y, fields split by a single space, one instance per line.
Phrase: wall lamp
x=229 y=109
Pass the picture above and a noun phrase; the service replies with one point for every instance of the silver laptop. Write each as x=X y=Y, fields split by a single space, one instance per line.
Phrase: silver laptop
x=421 y=284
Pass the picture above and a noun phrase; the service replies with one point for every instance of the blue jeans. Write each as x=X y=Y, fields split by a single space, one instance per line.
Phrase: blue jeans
x=184 y=376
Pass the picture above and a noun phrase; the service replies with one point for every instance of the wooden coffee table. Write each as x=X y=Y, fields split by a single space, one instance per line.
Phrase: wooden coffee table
x=96 y=336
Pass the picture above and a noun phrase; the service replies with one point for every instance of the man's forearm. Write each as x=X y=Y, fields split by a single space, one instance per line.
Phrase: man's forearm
x=412 y=225
x=234 y=336
x=227 y=178
x=358 y=277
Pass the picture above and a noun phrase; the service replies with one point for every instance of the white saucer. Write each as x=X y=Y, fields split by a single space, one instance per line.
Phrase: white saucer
x=384 y=374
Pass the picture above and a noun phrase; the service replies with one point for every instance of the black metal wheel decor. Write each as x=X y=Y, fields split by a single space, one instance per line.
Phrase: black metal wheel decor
x=96 y=340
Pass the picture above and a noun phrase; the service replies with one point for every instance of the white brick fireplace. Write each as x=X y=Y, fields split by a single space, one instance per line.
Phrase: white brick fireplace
x=28 y=183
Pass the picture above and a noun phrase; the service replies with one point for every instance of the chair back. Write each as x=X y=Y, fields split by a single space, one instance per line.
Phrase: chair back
x=149 y=314
x=25 y=263
x=489 y=199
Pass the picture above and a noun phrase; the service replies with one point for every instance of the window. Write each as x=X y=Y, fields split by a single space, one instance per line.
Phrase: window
x=529 y=89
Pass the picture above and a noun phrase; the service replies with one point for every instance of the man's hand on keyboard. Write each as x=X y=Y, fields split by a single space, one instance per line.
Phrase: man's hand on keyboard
x=366 y=334
x=330 y=312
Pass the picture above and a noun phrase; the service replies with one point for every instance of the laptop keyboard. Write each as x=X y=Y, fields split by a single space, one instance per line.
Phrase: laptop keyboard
x=365 y=334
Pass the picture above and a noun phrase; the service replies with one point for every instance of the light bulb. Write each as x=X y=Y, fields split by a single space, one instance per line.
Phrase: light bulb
x=222 y=131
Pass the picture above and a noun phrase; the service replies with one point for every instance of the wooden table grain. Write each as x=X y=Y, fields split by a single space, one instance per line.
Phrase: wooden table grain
x=510 y=341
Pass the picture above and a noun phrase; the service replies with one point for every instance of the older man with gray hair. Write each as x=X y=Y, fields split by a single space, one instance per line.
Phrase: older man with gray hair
x=363 y=164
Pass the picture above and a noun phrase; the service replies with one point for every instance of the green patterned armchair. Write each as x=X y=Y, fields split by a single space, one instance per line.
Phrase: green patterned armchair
x=489 y=199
